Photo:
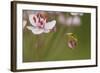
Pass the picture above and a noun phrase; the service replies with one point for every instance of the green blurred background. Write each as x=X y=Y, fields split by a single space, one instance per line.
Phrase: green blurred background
x=53 y=45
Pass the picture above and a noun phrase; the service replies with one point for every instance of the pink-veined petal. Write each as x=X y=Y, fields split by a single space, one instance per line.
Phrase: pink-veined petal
x=35 y=30
x=33 y=19
x=50 y=25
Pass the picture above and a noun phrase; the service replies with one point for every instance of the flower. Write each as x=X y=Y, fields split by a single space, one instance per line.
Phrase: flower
x=39 y=24
x=73 y=20
x=72 y=41
x=62 y=18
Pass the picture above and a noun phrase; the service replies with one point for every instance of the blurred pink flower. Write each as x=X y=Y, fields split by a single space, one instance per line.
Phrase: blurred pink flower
x=40 y=24
x=61 y=18
x=73 y=20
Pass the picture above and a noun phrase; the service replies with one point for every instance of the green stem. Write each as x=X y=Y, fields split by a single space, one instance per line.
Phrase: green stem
x=39 y=47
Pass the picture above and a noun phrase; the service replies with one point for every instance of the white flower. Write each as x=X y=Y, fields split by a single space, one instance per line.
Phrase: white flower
x=69 y=21
x=75 y=21
x=40 y=24
x=61 y=18
x=72 y=20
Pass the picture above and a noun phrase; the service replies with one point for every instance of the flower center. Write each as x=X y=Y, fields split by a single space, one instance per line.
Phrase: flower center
x=41 y=20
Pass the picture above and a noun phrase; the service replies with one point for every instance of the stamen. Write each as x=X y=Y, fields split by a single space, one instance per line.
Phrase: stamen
x=41 y=22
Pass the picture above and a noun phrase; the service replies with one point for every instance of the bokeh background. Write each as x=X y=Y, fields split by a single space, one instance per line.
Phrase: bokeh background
x=53 y=46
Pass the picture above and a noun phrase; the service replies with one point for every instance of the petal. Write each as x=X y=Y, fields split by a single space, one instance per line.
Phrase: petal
x=35 y=30
x=76 y=20
x=46 y=31
x=32 y=21
x=50 y=25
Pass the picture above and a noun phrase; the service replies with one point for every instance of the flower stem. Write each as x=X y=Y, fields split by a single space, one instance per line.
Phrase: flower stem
x=39 y=47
